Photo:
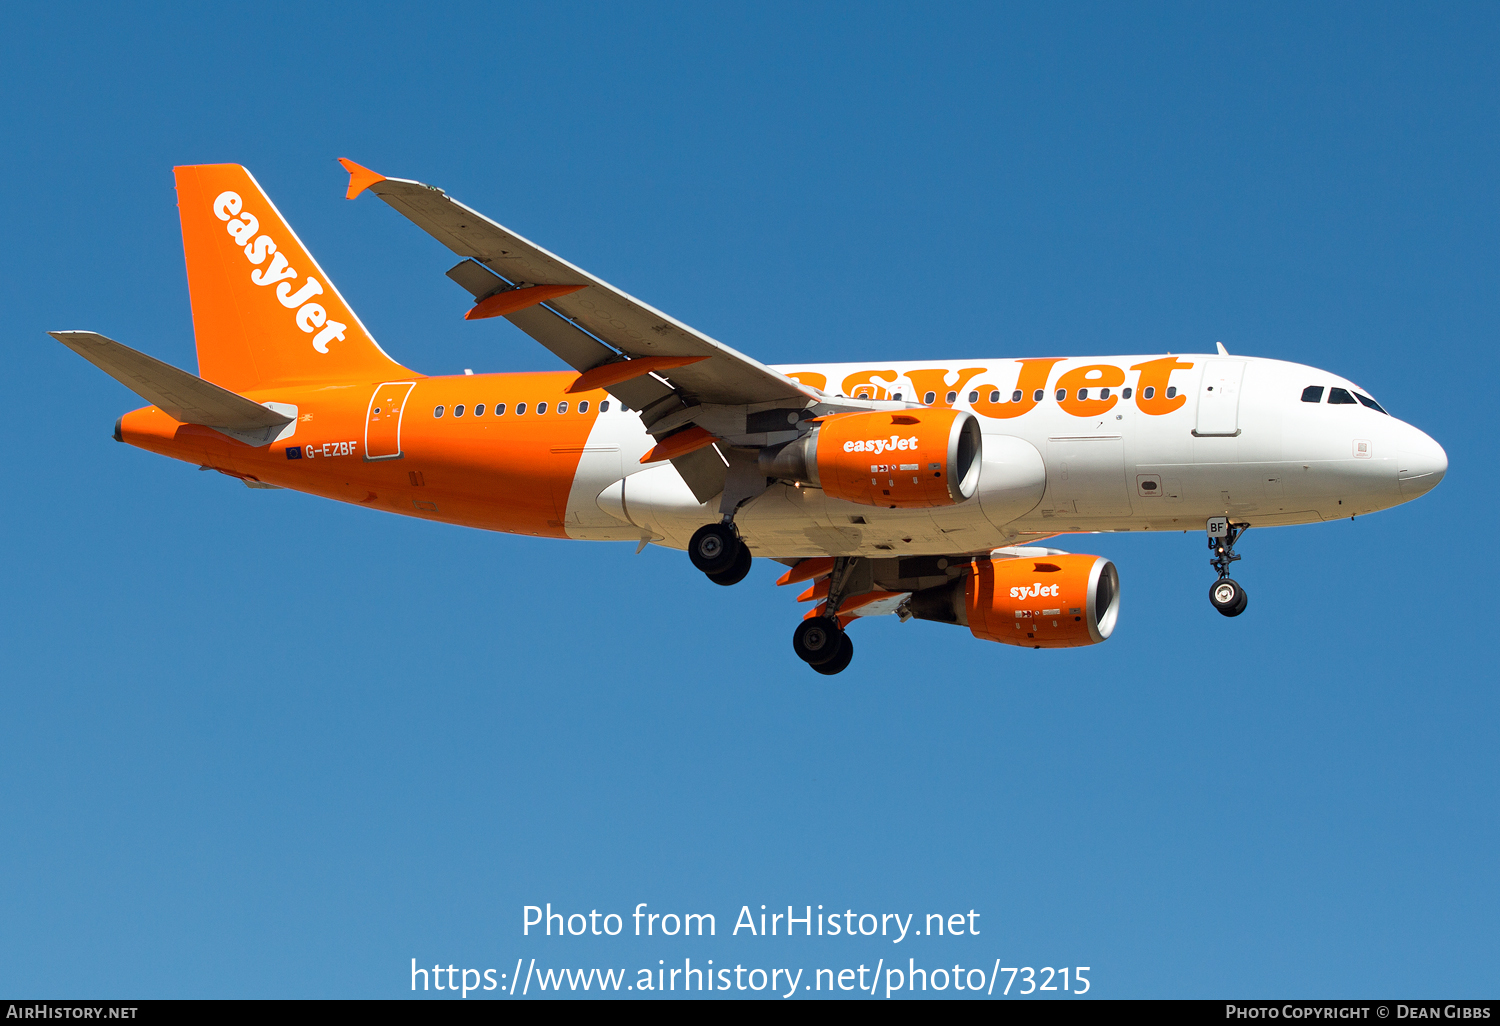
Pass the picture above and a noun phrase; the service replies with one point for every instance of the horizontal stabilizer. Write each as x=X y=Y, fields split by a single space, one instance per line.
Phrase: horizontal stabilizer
x=182 y=396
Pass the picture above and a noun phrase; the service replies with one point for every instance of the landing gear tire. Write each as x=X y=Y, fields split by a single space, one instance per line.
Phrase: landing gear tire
x=736 y=573
x=840 y=662
x=817 y=641
x=714 y=548
x=1228 y=597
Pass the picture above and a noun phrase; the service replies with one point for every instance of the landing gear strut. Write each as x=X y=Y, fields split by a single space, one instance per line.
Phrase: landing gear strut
x=820 y=641
x=1226 y=594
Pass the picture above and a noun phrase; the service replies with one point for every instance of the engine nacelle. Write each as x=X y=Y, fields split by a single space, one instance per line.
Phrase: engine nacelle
x=908 y=459
x=1053 y=601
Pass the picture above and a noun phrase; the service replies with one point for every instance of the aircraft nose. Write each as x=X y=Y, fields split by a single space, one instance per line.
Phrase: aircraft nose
x=1421 y=464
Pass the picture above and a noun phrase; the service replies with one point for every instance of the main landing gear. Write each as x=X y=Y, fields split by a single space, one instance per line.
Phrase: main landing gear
x=1226 y=594
x=717 y=550
x=820 y=641
x=822 y=644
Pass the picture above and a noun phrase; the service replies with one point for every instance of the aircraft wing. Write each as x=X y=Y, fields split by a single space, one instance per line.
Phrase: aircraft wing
x=719 y=376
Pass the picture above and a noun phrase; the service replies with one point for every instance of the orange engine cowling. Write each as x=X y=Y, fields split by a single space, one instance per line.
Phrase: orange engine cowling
x=1051 y=601
x=908 y=459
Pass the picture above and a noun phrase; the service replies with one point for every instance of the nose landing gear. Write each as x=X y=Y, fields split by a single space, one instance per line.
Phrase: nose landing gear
x=1226 y=594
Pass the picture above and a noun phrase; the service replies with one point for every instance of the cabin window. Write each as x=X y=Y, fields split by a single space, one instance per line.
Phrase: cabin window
x=1148 y=392
x=897 y=397
x=1125 y=394
x=562 y=407
x=458 y=411
x=520 y=409
x=1312 y=394
x=1340 y=397
x=974 y=397
x=437 y=411
x=1369 y=403
x=1083 y=394
x=541 y=408
x=1171 y=391
x=583 y=407
x=862 y=394
x=1103 y=393
x=929 y=398
x=479 y=409
x=995 y=396
x=604 y=406
x=1015 y=396
x=952 y=397
x=1038 y=395
x=1062 y=393
x=499 y=409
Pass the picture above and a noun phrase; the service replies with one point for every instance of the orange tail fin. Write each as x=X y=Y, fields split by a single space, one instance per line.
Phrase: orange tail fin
x=264 y=313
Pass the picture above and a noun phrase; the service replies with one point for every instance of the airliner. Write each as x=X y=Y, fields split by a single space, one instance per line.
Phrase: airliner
x=916 y=489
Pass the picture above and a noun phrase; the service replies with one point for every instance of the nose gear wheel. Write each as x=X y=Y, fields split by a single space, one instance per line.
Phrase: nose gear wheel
x=1228 y=597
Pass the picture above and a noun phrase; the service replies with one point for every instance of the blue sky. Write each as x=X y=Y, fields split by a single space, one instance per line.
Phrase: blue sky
x=260 y=744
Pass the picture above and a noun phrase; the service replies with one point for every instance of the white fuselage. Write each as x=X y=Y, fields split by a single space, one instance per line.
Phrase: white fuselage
x=1244 y=444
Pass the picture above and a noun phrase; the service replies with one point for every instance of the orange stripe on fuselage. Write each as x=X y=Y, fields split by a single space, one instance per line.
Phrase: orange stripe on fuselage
x=507 y=473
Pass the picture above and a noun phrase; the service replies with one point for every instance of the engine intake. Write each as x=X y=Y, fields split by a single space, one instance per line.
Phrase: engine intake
x=908 y=459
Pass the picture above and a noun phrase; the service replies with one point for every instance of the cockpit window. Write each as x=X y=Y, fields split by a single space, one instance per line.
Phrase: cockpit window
x=1340 y=397
x=1312 y=394
x=1369 y=403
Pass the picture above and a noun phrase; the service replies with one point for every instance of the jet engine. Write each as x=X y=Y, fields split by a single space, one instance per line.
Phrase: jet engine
x=1052 y=601
x=908 y=459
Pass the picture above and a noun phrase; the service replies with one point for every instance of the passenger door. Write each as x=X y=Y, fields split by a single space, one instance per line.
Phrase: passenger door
x=1219 y=398
x=383 y=420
